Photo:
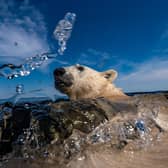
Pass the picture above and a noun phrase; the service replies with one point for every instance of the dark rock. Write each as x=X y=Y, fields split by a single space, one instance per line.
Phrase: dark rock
x=20 y=120
x=12 y=126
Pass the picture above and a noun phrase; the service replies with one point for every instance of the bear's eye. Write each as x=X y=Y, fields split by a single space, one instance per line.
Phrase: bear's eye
x=107 y=76
x=80 y=68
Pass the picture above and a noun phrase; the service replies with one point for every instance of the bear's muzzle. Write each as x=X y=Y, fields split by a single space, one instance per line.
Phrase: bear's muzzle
x=62 y=79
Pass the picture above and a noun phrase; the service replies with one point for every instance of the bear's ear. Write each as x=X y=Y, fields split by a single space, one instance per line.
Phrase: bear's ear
x=110 y=75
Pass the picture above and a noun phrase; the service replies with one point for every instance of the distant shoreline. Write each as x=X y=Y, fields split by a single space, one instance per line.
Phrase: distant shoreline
x=150 y=92
x=40 y=99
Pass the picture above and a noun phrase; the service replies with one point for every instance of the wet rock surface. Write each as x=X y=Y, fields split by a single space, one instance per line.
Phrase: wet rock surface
x=87 y=133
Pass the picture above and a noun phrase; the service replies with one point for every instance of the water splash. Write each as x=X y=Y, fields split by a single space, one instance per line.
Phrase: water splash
x=63 y=31
x=11 y=71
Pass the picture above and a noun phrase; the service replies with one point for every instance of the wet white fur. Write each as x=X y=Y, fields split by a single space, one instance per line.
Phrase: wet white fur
x=90 y=83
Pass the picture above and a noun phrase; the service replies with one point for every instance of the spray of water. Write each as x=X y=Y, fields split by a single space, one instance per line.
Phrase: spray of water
x=61 y=33
x=11 y=71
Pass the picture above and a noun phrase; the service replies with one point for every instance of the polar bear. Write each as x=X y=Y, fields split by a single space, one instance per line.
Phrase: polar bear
x=80 y=81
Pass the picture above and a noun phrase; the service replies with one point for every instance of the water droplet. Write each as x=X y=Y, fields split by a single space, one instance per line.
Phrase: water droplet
x=63 y=31
x=19 y=88
x=140 y=125
x=81 y=158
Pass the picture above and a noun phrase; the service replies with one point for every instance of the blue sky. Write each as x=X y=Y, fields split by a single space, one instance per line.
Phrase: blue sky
x=129 y=36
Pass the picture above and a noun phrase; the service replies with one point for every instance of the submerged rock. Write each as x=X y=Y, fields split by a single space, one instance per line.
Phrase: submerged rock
x=83 y=132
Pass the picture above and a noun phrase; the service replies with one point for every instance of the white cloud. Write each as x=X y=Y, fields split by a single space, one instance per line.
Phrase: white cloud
x=23 y=31
x=149 y=76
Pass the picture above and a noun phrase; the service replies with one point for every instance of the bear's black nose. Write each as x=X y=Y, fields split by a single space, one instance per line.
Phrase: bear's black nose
x=59 y=72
